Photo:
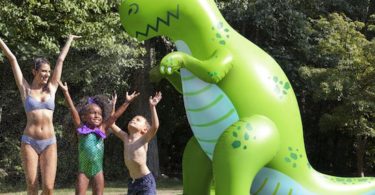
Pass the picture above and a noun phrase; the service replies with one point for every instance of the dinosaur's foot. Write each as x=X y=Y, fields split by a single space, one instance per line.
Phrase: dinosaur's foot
x=197 y=169
x=241 y=151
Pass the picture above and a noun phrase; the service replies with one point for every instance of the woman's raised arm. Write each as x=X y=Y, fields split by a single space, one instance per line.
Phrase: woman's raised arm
x=60 y=60
x=18 y=76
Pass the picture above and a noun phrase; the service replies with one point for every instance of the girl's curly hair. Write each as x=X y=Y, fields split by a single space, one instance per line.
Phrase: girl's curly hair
x=102 y=101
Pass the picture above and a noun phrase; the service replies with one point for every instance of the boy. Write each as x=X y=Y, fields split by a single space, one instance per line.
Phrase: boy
x=140 y=132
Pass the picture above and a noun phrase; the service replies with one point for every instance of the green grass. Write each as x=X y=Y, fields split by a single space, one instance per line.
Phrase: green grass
x=164 y=187
x=67 y=191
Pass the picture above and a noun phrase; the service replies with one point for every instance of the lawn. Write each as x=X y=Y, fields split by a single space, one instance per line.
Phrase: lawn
x=109 y=191
x=164 y=187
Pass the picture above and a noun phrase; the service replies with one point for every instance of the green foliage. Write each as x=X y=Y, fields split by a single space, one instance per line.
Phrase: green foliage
x=279 y=27
x=98 y=63
x=105 y=52
x=342 y=72
x=326 y=48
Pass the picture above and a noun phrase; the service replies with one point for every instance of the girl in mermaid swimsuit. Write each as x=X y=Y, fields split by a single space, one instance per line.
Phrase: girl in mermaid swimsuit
x=92 y=122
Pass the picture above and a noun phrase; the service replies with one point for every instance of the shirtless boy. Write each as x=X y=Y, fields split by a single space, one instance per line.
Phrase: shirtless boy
x=140 y=132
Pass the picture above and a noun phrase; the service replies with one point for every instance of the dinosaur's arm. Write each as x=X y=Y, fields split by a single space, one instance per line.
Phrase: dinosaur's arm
x=211 y=70
x=174 y=79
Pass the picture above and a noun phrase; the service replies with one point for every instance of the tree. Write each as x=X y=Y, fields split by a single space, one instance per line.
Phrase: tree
x=142 y=83
x=342 y=72
x=100 y=62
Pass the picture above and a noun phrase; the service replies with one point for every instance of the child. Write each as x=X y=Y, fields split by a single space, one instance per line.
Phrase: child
x=136 y=141
x=92 y=126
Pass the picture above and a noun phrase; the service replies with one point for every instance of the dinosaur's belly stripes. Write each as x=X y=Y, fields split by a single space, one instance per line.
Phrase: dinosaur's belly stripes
x=208 y=109
x=270 y=181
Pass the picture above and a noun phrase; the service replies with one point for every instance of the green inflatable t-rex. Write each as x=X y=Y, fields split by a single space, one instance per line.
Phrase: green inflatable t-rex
x=240 y=105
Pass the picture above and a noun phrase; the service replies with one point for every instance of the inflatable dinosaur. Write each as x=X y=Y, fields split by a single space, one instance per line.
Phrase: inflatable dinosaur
x=248 y=134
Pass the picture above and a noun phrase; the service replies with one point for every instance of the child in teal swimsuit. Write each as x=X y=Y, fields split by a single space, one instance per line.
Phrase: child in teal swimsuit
x=92 y=123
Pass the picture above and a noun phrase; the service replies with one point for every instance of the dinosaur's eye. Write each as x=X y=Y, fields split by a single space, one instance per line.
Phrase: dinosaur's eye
x=133 y=9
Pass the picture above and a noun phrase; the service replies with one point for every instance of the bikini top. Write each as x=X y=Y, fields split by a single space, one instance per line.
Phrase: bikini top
x=33 y=104
x=84 y=130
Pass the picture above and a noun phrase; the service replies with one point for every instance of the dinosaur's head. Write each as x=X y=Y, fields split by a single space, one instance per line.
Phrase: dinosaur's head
x=145 y=19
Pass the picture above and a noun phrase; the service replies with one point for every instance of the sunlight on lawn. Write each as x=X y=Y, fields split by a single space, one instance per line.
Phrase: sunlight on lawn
x=164 y=187
x=107 y=191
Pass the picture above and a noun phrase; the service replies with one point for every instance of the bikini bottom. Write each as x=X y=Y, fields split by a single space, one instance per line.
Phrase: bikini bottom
x=38 y=145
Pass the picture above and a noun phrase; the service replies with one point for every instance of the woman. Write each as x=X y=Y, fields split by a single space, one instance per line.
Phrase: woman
x=38 y=142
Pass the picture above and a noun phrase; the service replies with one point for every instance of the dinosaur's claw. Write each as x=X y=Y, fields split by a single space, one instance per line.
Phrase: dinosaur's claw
x=171 y=63
x=162 y=69
x=169 y=70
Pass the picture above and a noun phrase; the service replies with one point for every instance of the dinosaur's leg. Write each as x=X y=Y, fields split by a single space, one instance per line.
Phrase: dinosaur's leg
x=197 y=170
x=241 y=151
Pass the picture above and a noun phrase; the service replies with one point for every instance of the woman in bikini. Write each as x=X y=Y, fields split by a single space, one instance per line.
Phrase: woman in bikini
x=38 y=142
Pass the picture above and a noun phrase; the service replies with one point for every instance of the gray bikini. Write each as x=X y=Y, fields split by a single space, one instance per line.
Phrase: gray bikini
x=32 y=104
x=38 y=145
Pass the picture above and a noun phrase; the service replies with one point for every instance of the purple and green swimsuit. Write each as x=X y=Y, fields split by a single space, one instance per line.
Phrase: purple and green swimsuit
x=91 y=150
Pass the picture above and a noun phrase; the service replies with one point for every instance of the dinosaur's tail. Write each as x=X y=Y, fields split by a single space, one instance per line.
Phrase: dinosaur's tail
x=271 y=181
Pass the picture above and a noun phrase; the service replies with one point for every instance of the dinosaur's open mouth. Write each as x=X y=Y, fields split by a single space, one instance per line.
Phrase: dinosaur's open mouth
x=159 y=20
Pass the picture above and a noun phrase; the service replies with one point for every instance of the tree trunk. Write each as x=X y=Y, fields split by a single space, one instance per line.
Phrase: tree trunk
x=142 y=84
x=370 y=9
x=361 y=149
x=367 y=14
